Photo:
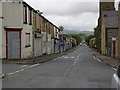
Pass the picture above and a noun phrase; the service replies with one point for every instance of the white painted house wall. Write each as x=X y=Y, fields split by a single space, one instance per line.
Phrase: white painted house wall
x=52 y=45
x=12 y=13
x=0 y=29
x=49 y=44
x=38 y=46
x=44 y=43
x=13 y=18
x=27 y=52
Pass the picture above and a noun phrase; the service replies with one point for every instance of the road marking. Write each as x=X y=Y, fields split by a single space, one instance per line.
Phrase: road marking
x=97 y=59
x=72 y=57
x=114 y=69
x=10 y=74
x=55 y=59
x=67 y=72
x=76 y=60
x=24 y=66
x=33 y=66
x=66 y=57
x=23 y=69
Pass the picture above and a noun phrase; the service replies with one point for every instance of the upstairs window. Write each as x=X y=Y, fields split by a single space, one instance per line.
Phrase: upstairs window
x=35 y=20
x=30 y=16
x=25 y=14
x=49 y=28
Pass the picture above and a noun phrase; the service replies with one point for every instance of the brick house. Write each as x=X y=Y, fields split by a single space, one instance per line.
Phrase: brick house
x=103 y=6
x=109 y=31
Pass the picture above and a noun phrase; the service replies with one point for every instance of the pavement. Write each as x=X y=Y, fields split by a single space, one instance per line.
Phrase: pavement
x=76 y=69
x=41 y=59
x=113 y=62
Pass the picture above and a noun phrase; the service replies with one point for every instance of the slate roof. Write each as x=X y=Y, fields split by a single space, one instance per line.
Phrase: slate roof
x=93 y=39
x=112 y=19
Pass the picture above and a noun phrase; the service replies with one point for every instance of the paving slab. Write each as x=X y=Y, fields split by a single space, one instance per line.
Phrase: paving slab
x=113 y=62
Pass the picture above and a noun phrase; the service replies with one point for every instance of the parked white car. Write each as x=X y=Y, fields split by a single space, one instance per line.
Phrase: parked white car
x=116 y=79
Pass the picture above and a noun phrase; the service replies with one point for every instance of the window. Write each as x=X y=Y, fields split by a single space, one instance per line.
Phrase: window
x=25 y=14
x=49 y=28
x=30 y=17
x=35 y=20
x=43 y=26
x=27 y=40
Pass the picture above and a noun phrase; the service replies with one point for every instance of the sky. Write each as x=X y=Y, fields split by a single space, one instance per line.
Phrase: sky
x=78 y=15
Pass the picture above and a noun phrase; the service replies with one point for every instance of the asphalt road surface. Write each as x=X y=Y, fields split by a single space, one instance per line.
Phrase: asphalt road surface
x=78 y=69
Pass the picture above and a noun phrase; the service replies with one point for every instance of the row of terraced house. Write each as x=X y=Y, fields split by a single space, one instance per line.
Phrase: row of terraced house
x=108 y=40
x=25 y=33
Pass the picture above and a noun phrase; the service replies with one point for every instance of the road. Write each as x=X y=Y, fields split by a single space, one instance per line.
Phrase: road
x=78 y=69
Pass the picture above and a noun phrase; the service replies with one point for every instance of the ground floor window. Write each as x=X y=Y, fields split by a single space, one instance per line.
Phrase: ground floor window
x=27 y=40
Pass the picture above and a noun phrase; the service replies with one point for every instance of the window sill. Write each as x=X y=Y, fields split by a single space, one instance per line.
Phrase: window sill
x=30 y=23
x=25 y=23
x=27 y=46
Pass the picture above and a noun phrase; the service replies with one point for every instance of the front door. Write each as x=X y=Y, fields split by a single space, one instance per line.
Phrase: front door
x=13 y=41
x=114 y=48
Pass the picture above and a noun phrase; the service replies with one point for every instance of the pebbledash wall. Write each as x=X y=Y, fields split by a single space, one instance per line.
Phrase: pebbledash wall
x=13 y=18
x=0 y=30
x=49 y=44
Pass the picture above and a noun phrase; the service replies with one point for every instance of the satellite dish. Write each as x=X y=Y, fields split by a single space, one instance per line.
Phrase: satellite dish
x=39 y=12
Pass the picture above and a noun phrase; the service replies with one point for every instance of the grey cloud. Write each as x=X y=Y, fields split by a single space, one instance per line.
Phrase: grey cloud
x=81 y=22
x=72 y=15
x=70 y=8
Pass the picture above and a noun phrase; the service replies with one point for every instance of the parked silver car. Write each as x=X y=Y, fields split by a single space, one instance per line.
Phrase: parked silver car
x=116 y=79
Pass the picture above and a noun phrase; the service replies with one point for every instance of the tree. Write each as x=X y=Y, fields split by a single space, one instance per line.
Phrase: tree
x=97 y=36
x=61 y=28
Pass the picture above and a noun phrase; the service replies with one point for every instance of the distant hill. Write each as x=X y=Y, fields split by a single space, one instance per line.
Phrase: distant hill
x=87 y=33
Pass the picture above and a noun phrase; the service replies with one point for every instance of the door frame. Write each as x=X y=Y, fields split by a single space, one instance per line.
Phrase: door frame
x=12 y=30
